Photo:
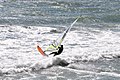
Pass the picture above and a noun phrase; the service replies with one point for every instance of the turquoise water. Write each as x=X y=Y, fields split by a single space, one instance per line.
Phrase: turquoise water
x=91 y=48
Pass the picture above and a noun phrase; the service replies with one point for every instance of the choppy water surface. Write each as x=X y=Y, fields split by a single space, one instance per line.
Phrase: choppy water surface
x=91 y=48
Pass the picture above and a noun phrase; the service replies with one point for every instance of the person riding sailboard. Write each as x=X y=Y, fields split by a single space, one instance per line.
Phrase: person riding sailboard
x=60 y=49
x=56 y=44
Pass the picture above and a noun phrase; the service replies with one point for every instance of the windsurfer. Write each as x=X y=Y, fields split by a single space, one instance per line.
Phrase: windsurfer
x=60 y=49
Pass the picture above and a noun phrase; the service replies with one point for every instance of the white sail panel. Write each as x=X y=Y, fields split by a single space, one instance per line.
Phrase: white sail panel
x=56 y=43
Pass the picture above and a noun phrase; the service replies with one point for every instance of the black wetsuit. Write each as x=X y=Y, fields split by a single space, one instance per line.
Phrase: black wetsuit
x=59 y=51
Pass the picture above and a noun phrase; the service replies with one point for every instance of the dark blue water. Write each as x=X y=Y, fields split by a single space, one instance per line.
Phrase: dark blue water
x=58 y=12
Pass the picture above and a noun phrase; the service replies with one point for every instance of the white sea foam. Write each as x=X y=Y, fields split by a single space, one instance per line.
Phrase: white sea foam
x=18 y=47
x=48 y=62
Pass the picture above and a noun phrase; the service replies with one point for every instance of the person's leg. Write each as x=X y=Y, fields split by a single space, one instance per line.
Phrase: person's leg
x=53 y=53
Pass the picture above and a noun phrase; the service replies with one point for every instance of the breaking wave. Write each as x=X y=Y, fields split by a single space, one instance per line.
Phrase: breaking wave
x=82 y=45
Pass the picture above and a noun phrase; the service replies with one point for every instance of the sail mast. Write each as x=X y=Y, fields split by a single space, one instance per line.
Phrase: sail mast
x=59 y=40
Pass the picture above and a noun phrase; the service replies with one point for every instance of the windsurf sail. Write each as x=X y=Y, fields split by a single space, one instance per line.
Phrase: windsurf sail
x=56 y=43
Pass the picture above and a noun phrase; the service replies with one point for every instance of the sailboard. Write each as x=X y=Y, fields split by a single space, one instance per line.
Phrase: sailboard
x=41 y=51
x=56 y=43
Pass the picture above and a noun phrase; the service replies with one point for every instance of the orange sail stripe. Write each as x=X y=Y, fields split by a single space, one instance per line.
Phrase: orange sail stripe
x=40 y=50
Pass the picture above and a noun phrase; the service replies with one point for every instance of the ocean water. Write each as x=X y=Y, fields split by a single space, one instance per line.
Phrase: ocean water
x=91 y=48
